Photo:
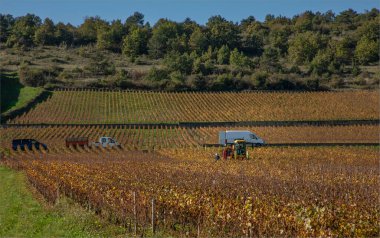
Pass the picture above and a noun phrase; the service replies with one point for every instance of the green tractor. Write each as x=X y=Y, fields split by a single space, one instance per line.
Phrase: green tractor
x=238 y=150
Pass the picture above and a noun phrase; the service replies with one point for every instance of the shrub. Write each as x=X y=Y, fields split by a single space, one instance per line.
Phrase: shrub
x=259 y=79
x=337 y=82
x=223 y=82
x=156 y=74
x=123 y=79
x=196 y=82
x=177 y=62
x=176 y=81
x=32 y=77
x=100 y=67
x=284 y=82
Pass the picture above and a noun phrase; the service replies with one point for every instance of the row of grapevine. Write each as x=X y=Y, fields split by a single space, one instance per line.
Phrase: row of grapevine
x=90 y=106
x=135 y=137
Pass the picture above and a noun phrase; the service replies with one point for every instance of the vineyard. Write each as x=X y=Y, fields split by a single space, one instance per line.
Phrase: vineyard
x=164 y=177
x=135 y=138
x=280 y=192
x=105 y=107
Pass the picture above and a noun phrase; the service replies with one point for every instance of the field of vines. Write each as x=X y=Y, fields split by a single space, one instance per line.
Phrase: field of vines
x=99 y=107
x=137 y=138
x=164 y=178
x=183 y=192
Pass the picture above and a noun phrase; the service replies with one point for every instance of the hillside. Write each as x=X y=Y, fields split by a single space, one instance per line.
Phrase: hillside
x=311 y=51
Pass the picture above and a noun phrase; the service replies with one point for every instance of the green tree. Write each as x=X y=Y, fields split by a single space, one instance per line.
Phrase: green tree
x=346 y=20
x=177 y=80
x=88 y=31
x=163 y=35
x=370 y=30
x=23 y=30
x=178 y=44
x=245 y=23
x=210 y=54
x=270 y=60
x=278 y=38
x=188 y=26
x=238 y=59
x=198 y=66
x=64 y=33
x=198 y=40
x=344 y=50
x=117 y=32
x=367 y=51
x=135 y=20
x=222 y=32
x=44 y=35
x=176 y=62
x=304 y=22
x=135 y=43
x=252 y=39
x=109 y=37
x=6 y=24
x=104 y=38
x=319 y=65
x=223 y=55
x=304 y=47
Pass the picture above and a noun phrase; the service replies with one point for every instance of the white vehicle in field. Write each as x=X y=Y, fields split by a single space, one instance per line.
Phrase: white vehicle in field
x=228 y=137
x=106 y=141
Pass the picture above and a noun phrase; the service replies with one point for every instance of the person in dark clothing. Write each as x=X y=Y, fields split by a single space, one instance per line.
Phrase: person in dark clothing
x=217 y=157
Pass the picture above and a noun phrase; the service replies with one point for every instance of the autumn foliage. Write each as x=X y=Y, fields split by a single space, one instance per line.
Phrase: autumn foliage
x=279 y=192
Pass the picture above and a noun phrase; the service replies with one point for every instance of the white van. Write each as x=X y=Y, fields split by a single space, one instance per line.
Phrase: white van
x=228 y=137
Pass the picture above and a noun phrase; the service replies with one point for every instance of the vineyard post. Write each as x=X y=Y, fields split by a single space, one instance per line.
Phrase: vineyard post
x=135 y=213
x=198 y=230
x=57 y=200
x=153 y=207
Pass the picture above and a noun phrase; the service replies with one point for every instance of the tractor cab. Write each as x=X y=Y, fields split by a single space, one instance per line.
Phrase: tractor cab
x=240 y=149
x=236 y=150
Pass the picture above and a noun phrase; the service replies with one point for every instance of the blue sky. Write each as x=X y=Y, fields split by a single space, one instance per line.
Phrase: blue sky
x=74 y=11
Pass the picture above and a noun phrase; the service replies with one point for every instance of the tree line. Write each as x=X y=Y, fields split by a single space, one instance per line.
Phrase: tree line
x=308 y=46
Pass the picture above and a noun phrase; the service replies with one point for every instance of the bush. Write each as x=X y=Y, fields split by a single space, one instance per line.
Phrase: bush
x=196 y=82
x=156 y=74
x=122 y=79
x=223 y=82
x=238 y=59
x=38 y=77
x=176 y=81
x=31 y=77
x=67 y=74
x=100 y=67
x=337 y=82
x=284 y=82
x=176 y=62
x=97 y=84
x=295 y=69
x=259 y=80
x=367 y=51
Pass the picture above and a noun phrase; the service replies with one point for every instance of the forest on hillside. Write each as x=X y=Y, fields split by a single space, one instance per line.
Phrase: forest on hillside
x=310 y=51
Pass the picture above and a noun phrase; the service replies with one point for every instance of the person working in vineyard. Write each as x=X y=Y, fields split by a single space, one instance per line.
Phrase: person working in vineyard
x=217 y=157
x=227 y=152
